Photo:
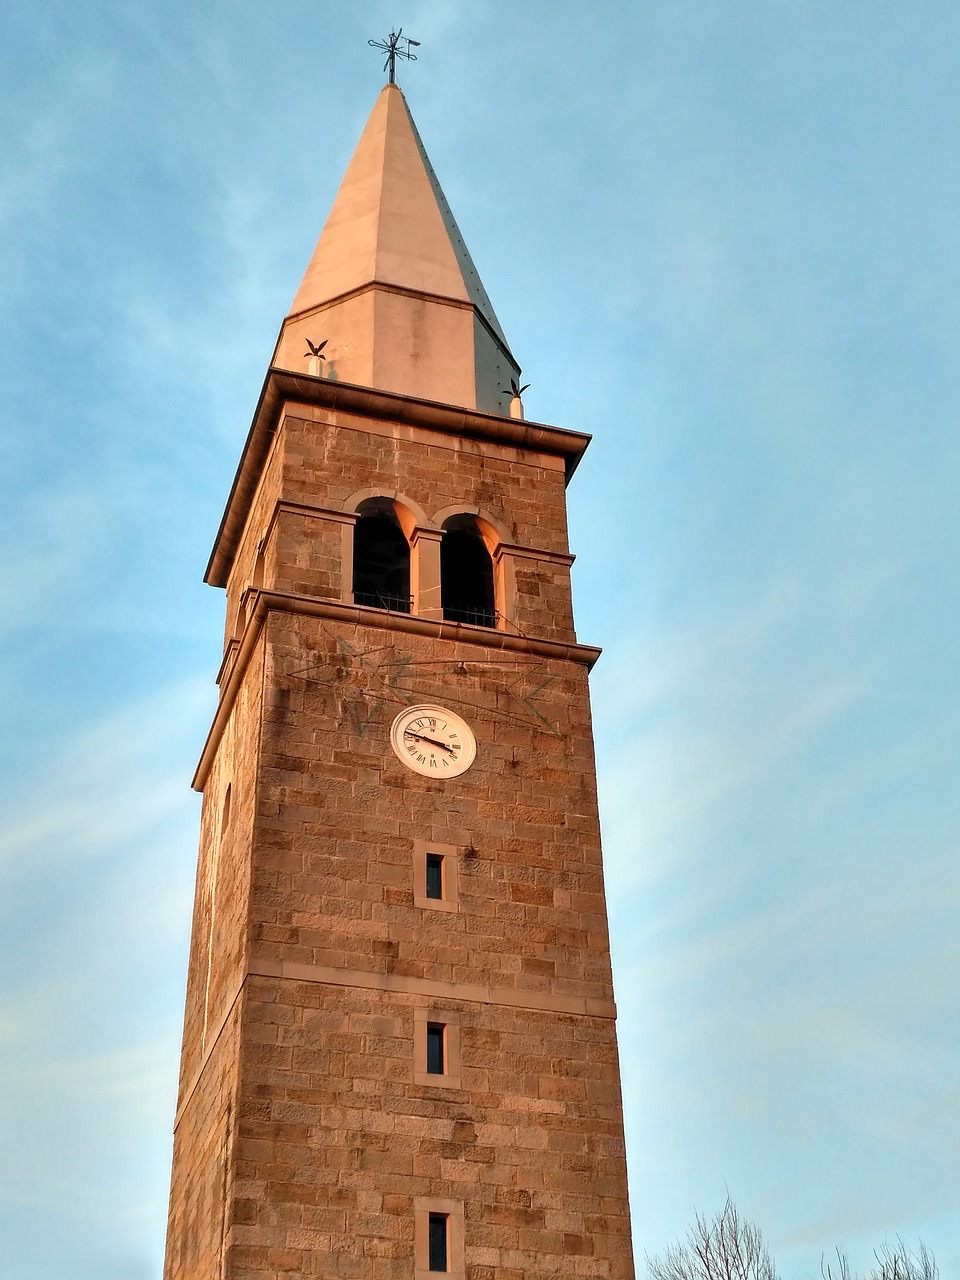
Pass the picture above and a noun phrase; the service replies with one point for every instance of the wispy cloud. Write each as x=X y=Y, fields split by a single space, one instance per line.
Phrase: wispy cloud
x=96 y=863
x=102 y=787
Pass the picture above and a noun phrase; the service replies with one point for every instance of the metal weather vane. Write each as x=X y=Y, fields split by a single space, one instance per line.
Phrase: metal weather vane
x=391 y=47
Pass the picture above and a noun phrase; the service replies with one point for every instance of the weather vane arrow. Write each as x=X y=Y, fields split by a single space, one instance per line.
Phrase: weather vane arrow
x=392 y=48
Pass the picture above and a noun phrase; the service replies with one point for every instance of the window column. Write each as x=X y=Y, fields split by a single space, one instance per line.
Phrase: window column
x=425 y=573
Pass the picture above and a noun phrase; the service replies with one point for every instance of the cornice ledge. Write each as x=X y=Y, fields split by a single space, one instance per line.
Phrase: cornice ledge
x=282 y=388
x=266 y=602
x=384 y=286
x=413 y=624
x=532 y=553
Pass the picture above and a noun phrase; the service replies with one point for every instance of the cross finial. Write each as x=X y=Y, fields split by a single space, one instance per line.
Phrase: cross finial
x=392 y=48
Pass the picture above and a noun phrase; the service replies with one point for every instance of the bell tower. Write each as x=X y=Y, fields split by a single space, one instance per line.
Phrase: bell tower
x=399 y=1052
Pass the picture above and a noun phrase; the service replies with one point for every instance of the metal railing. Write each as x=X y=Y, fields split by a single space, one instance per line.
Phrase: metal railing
x=477 y=617
x=378 y=600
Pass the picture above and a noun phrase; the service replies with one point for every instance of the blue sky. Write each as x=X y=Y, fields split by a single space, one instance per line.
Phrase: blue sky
x=724 y=238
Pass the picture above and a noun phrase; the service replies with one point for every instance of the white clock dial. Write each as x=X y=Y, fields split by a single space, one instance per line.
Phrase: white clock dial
x=433 y=741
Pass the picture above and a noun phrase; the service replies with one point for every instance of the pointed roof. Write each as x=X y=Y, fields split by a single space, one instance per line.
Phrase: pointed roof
x=391 y=223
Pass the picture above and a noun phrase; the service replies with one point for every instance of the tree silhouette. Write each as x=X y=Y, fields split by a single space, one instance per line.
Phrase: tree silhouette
x=728 y=1247
x=724 y=1248
x=894 y=1262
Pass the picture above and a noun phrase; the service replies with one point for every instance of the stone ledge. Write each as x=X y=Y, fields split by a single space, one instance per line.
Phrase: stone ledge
x=360 y=615
x=473 y=992
x=357 y=979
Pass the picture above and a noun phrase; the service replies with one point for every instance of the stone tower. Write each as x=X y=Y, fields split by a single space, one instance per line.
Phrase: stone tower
x=399 y=1050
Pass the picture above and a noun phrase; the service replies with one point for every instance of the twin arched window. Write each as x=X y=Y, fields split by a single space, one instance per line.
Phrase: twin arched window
x=466 y=574
x=381 y=565
x=381 y=558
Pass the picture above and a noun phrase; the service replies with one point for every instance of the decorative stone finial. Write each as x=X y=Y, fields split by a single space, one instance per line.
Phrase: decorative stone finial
x=316 y=357
x=516 y=404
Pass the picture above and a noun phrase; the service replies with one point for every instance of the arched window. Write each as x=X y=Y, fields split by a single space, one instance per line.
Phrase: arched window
x=381 y=558
x=240 y=620
x=466 y=574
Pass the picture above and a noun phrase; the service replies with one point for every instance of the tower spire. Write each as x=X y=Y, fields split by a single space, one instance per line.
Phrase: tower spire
x=399 y=1049
x=391 y=284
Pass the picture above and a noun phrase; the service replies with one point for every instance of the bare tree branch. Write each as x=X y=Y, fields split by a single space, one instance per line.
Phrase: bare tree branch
x=729 y=1248
x=724 y=1248
x=893 y=1263
x=901 y=1263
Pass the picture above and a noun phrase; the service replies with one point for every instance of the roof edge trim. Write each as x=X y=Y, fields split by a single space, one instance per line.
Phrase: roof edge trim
x=282 y=387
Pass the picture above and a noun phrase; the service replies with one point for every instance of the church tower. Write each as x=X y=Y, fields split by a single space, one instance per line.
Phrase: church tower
x=399 y=1050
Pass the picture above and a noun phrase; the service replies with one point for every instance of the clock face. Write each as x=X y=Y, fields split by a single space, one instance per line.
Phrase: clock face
x=433 y=741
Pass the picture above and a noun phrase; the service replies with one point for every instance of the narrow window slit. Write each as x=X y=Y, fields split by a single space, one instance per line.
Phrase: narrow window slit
x=435 y=876
x=437 y=1235
x=436 y=1049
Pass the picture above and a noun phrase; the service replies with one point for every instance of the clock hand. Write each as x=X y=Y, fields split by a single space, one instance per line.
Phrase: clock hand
x=408 y=733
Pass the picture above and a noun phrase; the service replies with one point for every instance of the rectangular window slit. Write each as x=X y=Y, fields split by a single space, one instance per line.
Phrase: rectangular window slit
x=435 y=1048
x=435 y=875
x=438 y=1241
